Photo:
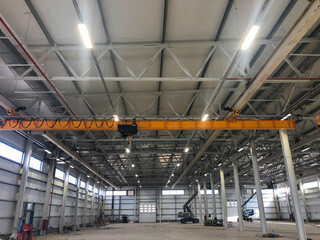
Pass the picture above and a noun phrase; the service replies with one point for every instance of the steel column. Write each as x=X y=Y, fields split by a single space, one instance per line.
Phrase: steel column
x=92 y=204
x=318 y=180
x=289 y=203
x=195 y=203
x=200 y=203
x=276 y=200
x=23 y=184
x=223 y=199
x=119 y=208
x=84 y=217
x=304 y=200
x=76 y=203
x=160 y=207
x=47 y=196
x=214 y=209
x=64 y=198
x=103 y=199
x=257 y=183
x=190 y=194
x=238 y=193
x=205 y=199
x=135 y=204
x=293 y=184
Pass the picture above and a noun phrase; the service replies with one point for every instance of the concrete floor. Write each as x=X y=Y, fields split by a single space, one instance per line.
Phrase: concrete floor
x=175 y=231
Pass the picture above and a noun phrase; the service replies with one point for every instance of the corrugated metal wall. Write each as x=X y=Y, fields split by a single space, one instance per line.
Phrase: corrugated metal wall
x=10 y=173
x=312 y=198
x=172 y=204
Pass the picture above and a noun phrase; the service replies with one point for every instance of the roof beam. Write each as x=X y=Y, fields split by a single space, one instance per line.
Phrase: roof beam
x=66 y=66
x=106 y=46
x=75 y=156
x=94 y=57
x=156 y=79
x=303 y=24
x=304 y=142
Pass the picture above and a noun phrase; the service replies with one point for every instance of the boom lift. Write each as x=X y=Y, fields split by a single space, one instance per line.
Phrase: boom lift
x=247 y=213
x=187 y=215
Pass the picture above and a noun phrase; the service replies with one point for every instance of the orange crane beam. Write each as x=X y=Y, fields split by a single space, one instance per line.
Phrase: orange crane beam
x=143 y=125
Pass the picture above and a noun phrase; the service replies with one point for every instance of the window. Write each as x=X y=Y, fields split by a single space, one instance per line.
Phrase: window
x=96 y=190
x=90 y=188
x=249 y=191
x=10 y=153
x=147 y=208
x=116 y=193
x=59 y=174
x=82 y=184
x=35 y=164
x=310 y=185
x=209 y=191
x=72 y=180
x=172 y=192
x=131 y=193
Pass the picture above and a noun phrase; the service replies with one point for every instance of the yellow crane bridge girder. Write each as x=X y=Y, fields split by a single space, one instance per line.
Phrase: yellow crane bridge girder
x=143 y=125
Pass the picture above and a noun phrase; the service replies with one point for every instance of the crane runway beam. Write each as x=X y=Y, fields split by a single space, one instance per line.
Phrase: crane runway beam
x=143 y=125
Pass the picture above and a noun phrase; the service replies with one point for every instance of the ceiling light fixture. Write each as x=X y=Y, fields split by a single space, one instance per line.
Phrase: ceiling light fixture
x=219 y=164
x=178 y=165
x=186 y=149
x=132 y=165
x=205 y=117
x=285 y=117
x=47 y=151
x=240 y=149
x=138 y=181
x=71 y=166
x=88 y=176
x=306 y=149
x=250 y=37
x=172 y=174
x=85 y=35
x=137 y=175
x=116 y=118
x=127 y=150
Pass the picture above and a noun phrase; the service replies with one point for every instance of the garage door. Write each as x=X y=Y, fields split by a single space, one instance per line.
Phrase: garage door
x=148 y=212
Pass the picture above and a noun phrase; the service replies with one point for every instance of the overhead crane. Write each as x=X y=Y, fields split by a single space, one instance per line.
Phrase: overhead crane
x=29 y=124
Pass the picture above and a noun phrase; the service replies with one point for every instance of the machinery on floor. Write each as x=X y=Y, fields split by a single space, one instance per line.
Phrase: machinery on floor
x=247 y=213
x=187 y=215
x=213 y=221
x=24 y=231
